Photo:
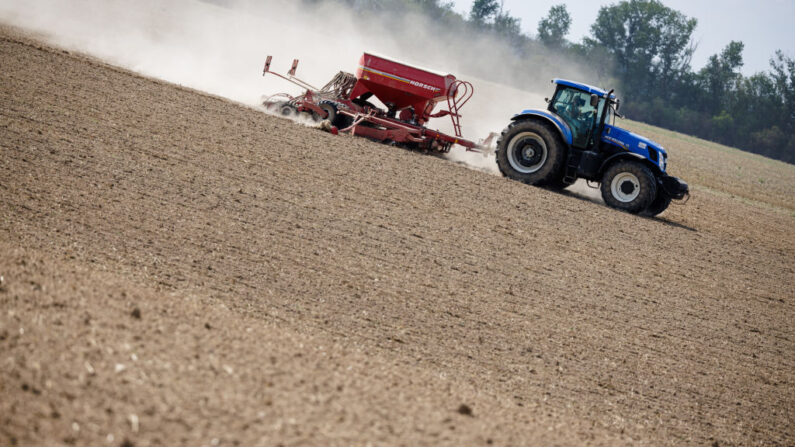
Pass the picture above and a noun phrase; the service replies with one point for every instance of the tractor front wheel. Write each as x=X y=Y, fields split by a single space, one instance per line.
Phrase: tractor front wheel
x=530 y=152
x=629 y=186
x=659 y=204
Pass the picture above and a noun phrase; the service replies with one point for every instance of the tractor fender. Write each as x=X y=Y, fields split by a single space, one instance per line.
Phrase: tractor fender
x=629 y=156
x=546 y=116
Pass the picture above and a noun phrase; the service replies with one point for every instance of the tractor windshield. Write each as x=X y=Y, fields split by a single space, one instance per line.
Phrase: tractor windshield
x=574 y=106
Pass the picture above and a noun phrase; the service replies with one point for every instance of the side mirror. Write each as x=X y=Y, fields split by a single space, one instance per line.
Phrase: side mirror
x=546 y=100
x=594 y=100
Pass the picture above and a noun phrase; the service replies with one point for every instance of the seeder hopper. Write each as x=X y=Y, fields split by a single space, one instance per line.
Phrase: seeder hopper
x=409 y=94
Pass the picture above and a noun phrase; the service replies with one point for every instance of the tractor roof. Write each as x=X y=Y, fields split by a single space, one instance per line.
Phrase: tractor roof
x=585 y=87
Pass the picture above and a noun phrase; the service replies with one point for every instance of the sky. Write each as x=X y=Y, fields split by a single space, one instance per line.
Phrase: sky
x=764 y=26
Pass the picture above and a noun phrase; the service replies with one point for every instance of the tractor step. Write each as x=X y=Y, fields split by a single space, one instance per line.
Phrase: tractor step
x=572 y=166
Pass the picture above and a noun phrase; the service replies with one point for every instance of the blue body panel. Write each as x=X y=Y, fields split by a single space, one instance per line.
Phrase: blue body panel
x=564 y=129
x=634 y=143
x=584 y=87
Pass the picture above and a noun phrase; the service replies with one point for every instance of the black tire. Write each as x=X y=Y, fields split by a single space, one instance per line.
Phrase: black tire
x=339 y=120
x=287 y=110
x=531 y=152
x=659 y=204
x=629 y=186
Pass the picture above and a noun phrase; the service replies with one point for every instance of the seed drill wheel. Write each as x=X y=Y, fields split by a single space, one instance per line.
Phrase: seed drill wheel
x=287 y=110
x=310 y=116
x=530 y=152
x=339 y=120
x=629 y=186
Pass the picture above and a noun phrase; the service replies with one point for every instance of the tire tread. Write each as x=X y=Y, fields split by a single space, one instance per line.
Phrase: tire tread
x=645 y=176
x=547 y=175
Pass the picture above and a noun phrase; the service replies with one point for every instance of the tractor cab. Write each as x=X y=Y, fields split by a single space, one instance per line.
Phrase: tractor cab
x=582 y=108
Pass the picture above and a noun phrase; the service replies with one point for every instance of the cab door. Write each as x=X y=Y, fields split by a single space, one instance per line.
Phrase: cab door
x=574 y=107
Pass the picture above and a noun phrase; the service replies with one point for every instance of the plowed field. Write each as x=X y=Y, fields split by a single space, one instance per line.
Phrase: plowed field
x=178 y=269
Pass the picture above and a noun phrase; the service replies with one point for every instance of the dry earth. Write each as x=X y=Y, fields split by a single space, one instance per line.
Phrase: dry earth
x=179 y=269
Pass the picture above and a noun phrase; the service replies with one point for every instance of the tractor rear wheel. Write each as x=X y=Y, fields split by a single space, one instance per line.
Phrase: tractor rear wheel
x=530 y=151
x=629 y=186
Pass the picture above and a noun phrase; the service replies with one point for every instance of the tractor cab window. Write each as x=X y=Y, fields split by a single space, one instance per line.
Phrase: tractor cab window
x=574 y=106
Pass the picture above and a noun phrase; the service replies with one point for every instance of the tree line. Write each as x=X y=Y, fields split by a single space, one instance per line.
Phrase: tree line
x=644 y=49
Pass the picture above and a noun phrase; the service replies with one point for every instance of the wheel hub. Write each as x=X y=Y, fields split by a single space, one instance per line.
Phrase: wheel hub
x=531 y=154
x=625 y=187
x=527 y=152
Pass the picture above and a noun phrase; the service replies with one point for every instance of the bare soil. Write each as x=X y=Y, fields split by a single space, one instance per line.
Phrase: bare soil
x=178 y=269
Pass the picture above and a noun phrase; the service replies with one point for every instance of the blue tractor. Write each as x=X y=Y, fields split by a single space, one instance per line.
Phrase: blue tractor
x=576 y=137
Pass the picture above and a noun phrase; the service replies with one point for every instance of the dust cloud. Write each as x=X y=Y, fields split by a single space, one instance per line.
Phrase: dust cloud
x=219 y=46
x=585 y=190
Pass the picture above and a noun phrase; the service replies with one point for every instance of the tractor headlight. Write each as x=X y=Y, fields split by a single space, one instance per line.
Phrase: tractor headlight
x=663 y=160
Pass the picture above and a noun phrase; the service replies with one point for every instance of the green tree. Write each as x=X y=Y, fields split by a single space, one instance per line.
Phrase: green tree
x=553 y=28
x=436 y=9
x=507 y=25
x=483 y=10
x=720 y=75
x=489 y=15
x=783 y=77
x=650 y=43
